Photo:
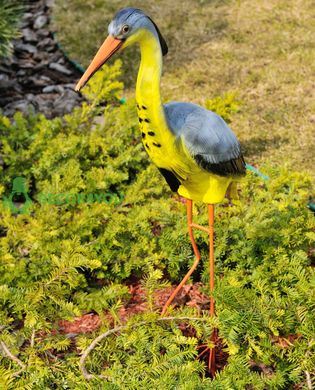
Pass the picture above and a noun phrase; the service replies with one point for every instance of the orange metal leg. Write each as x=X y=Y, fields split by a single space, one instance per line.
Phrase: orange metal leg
x=210 y=231
x=197 y=254
x=211 y=255
x=211 y=362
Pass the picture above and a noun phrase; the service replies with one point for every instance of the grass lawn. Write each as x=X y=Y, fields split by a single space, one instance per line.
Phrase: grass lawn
x=260 y=49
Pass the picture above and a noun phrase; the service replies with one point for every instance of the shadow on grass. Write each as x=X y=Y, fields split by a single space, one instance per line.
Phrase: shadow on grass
x=257 y=146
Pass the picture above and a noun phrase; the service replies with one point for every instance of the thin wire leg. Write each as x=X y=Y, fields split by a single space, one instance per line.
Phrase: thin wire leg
x=197 y=254
x=211 y=256
x=211 y=362
x=191 y=225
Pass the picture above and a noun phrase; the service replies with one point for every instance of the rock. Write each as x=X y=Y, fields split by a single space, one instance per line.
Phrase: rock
x=6 y=84
x=21 y=73
x=49 y=3
x=26 y=20
x=46 y=43
x=56 y=77
x=3 y=77
x=26 y=47
x=4 y=101
x=60 y=68
x=29 y=35
x=69 y=86
x=8 y=62
x=47 y=79
x=37 y=76
x=42 y=65
x=4 y=69
x=20 y=105
x=42 y=56
x=53 y=88
x=43 y=33
x=27 y=16
x=36 y=82
x=26 y=64
x=66 y=103
x=40 y=22
x=30 y=97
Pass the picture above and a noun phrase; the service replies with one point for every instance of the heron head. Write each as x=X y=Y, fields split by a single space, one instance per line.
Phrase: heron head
x=127 y=27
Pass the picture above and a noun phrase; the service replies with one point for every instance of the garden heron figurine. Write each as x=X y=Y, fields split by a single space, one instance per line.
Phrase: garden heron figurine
x=193 y=148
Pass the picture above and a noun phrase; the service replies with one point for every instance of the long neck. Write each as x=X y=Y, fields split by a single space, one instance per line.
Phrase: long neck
x=148 y=86
x=149 y=76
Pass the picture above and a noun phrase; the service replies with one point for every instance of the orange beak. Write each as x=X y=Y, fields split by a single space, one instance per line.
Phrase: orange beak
x=108 y=48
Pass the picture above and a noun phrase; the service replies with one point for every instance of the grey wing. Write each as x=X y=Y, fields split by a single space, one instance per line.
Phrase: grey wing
x=209 y=140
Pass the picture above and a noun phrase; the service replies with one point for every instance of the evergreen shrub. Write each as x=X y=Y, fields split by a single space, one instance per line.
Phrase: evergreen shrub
x=61 y=261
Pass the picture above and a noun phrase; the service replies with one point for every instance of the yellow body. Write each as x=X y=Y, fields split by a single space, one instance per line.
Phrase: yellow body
x=159 y=141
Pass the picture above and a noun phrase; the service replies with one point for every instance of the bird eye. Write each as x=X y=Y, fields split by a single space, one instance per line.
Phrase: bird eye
x=125 y=29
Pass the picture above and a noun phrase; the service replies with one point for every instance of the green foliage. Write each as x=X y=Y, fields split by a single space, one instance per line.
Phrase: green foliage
x=104 y=86
x=60 y=261
x=10 y=11
x=224 y=106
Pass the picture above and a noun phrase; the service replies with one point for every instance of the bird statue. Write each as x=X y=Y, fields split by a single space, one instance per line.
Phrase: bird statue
x=193 y=148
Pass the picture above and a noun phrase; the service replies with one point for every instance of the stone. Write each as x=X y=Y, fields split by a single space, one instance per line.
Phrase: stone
x=29 y=35
x=46 y=43
x=53 y=88
x=26 y=47
x=21 y=73
x=37 y=77
x=6 y=84
x=36 y=82
x=42 y=65
x=66 y=103
x=4 y=69
x=3 y=77
x=26 y=64
x=26 y=20
x=42 y=56
x=60 y=68
x=43 y=33
x=20 y=105
x=49 y=3
x=30 y=97
x=40 y=22
x=69 y=86
x=47 y=79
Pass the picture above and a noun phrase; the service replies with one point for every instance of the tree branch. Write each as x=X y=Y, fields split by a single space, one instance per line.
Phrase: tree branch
x=32 y=339
x=308 y=380
x=14 y=358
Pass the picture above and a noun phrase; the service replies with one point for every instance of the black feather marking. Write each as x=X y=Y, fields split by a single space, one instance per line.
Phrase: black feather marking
x=147 y=120
x=143 y=135
x=151 y=133
x=140 y=120
x=162 y=40
x=157 y=145
x=147 y=146
x=233 y=167
x=171 y=179
x=144 y=107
